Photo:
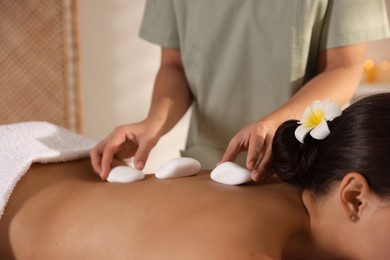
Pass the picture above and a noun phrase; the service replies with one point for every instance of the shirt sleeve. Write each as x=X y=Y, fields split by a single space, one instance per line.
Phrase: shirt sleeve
x=159 y=24
x=354 y=21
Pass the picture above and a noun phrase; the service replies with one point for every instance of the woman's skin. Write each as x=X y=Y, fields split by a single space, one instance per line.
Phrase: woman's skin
x=350 y=219
x=64 y=211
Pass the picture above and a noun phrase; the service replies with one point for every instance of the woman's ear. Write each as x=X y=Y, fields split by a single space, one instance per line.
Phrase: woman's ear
x=354 y=194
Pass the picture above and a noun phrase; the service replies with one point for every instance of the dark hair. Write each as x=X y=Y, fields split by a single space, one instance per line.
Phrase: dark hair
x=359 y=141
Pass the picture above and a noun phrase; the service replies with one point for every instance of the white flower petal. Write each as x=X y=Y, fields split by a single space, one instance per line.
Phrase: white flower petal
x=306 y=115
x=314 y=120
x=318 y=105
x=331 y=110
x=317 y=109
x=301 y=132
x=320 y=131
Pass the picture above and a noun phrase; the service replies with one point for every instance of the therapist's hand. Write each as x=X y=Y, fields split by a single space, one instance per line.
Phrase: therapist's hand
x=256 y=139
x=124 y=142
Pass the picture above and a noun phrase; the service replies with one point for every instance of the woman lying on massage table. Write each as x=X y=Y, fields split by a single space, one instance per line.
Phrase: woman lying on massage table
x=338 y=207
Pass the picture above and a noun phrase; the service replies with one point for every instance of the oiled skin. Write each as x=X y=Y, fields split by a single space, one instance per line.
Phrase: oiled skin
x=64 y=211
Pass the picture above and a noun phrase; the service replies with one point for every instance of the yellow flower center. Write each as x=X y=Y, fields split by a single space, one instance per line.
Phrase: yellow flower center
x=315 y=117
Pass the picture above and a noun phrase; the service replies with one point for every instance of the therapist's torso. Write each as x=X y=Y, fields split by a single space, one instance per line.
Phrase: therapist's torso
x=244 y=58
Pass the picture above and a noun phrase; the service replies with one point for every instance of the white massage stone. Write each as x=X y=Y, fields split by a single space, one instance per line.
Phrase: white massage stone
x=178 y=167
x=231 y=174
x=123 y=174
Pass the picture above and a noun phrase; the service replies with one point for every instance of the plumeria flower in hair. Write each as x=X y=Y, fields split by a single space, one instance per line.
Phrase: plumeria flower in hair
x=315 y=120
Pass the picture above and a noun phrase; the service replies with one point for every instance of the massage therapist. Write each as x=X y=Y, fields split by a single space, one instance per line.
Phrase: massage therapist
x=244 y=67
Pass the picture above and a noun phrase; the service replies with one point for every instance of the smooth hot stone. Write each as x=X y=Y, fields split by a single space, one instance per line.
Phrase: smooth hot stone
x=123 y=174
x=178 y=167
x=231 y=174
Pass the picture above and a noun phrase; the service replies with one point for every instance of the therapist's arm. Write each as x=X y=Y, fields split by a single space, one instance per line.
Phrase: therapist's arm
x=171 y=99
x=339 y=72
x=171 y=95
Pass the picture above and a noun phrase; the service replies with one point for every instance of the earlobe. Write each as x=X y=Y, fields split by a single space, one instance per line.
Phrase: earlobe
x=354 y=193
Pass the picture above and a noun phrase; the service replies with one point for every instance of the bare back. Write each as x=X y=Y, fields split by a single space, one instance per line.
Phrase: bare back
x=65 y=211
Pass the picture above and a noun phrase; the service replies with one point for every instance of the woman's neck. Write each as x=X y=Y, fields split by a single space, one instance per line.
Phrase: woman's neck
x=321 y=241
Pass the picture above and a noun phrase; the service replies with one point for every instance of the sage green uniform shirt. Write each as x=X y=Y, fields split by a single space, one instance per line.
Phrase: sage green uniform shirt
x=244 y=58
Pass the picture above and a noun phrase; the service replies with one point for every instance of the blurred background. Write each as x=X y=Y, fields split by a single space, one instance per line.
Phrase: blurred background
x=118 y=68
x=117 y=73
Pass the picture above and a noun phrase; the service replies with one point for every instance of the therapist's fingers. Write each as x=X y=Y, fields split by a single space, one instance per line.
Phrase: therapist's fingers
x=107 y=157
x=262 y=170
x=256 y=145
x=109 y=148
x=96 y=160
x=96 y=155
x=234 y=148
x=142 y=153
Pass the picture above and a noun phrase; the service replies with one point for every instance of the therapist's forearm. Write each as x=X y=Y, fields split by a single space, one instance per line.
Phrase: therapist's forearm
x=339 y=73
x=337 y=84
x=171 y=98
